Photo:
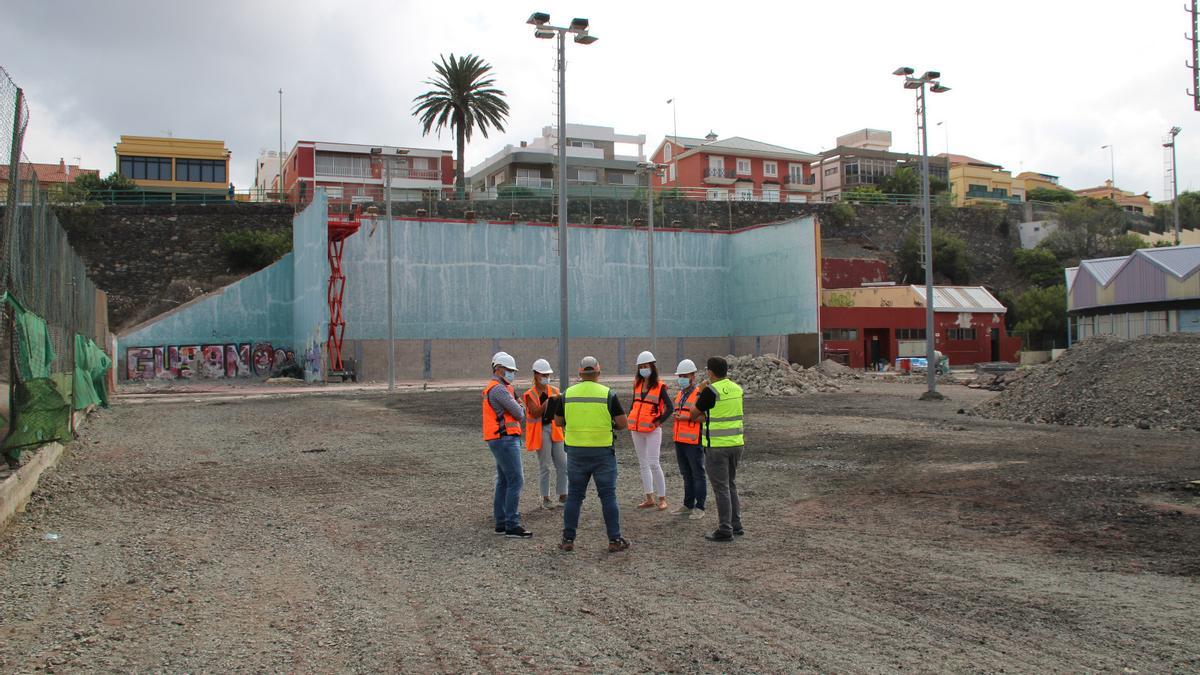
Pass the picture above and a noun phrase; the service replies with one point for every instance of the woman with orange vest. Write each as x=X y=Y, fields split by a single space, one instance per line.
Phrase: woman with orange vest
x=651 y=406
x=502 y=417
x=688 y=451
x=544 y=436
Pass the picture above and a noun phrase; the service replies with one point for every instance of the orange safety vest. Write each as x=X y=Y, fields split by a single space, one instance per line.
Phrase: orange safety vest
x=533 y=427
x=686 y=431
x=492 y=428
x=645 y=410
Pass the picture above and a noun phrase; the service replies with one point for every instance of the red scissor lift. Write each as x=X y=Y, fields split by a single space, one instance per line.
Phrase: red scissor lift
x=339 y=228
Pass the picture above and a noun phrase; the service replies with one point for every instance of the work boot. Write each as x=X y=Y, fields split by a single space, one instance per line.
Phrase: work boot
x=566 y=545
x=518 y=532
x=719 y=536
x=617 y=545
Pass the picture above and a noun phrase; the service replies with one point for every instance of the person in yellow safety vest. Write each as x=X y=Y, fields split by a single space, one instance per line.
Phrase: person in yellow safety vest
x=588 y=412
x=650 y=408
x=544 y=436
x=720 y=406
x=502 y=417
x=688 y=451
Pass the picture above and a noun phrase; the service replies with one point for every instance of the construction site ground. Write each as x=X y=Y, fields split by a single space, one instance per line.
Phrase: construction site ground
x=322 y=532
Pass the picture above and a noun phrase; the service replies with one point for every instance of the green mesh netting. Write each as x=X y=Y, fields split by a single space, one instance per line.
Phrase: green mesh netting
x=91 y=364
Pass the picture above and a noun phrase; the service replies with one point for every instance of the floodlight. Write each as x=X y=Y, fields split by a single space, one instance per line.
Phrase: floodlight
x=903 y=71
x=376 y=151
x=1175 y=131
x=578 y=25
x=538 y=19
x=585 y=39
x=543 y=34
x=912 y=83
x=939 y=88
x=931 y=75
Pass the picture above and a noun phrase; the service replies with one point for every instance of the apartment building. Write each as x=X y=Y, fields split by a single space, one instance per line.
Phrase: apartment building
x=174 y=166
x=350 y=174
x=54 y=179
x=596 y=156
x=266 y=174
x=735 y=168
x=1129 y=201
x=864 y=158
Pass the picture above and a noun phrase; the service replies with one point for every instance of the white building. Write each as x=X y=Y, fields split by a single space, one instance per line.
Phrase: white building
x=596 y=156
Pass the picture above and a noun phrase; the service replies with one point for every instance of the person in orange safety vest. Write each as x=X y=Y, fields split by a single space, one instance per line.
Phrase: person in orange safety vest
x=688 y=451
x=651 y=407
x=502 y=417
x=544 y=436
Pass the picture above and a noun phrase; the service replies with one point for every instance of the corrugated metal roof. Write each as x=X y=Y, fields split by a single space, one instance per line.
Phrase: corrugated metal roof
x=1103 y=268
x=1178 y=260
x=961 y=299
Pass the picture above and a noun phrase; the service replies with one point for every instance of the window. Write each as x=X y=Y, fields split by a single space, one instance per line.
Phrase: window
x=831 y=171
x=580 y=144
x=770 y=169
x=743 y=166
x=333 y=192
x=745 y=194
x=974 y=187
x=667 y=152
x=770 y=194
x=343 y=165
x=840 y=334
x=672 y=173
x=587 y=175
x=910 y=333
x=961 y=334
x=200 y=170
x=718 y=196
x=716 y=163
x=796 y=173
x=529 y=173
x=146 y=168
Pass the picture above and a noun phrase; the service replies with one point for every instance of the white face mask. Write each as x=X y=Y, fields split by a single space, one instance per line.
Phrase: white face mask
x=509 y=376
x=644 y=372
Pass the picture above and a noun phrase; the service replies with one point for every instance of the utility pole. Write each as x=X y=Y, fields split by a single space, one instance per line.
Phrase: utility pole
x=1174 y=180
x=279 y=167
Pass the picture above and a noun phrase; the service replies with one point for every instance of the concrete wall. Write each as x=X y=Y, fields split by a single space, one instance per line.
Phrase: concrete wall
x=310 y=303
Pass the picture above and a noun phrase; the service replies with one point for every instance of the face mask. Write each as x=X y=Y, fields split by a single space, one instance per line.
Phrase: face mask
x=644 y=372
x=683 y=382
x=509 y=376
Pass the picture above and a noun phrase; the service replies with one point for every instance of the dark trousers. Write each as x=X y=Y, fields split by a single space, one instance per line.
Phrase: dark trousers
x=722 y=471
x=691 y=467
x=585 y=465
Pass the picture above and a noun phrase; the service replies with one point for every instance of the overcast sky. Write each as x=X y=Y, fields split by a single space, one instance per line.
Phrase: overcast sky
x=1036 y=85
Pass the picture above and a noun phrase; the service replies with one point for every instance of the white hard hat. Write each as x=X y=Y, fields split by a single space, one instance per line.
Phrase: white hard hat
x=685 y=367
x=496 y=357
x=542 y=366
x=505 y=360
x=645 y=357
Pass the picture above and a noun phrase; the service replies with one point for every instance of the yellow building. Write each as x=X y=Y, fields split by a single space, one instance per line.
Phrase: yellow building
x=1126 y=200
x=1186 y=237
x=174 y=165
x=1028 y=181
x=973 y=181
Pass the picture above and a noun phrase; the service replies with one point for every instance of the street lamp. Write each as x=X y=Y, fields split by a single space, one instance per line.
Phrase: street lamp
x=544 y=31
x=918 y=84
x=1174 y=179
x=387 y=200
x=1112 y=172
x=651 y=169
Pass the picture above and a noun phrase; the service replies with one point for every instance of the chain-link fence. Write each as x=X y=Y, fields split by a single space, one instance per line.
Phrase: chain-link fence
x=52 y=335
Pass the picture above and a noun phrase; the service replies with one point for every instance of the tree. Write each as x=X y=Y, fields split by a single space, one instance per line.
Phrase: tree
x=1189 y=213
x=464 y=98
x=1041 y=315
x=937 y=185
x=904 y=181
x=1039 y=266
x=1054 y=195
x=91 y=187
x=863 y=194
x=950 y=259
x=1088 y=228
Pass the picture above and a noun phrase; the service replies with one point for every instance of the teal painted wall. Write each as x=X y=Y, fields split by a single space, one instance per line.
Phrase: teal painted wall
x=257 y=308
x=482 y=280
x=310 y=249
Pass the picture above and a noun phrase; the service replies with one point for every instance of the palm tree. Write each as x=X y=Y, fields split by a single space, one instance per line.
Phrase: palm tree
x=463 y=97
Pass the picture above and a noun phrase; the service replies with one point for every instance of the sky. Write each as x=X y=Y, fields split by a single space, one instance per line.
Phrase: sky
x=1035 y=86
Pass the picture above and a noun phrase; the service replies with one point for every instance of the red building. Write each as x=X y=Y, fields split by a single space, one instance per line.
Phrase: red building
x=879 y=324
x=853 y=272
x=349 y=173
x=735 y=168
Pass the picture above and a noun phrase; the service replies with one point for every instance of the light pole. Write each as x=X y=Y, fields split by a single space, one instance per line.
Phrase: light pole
x=279 y=167
x=387 y=202
x=651 y=169
x=544 y=31
x=1174 y=180
x=1112 y=172
x=931 y=78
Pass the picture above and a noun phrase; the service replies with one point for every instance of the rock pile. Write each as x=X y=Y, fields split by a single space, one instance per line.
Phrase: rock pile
x=1148 y=382
x=997 y=381
x=773 y=376
x=837 y=371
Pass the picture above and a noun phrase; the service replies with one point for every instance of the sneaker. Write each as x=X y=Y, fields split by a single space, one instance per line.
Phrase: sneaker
x=500 y=529
x=697 y=514
x=739 y=532
x=547 y=504
x=567 y=545
x=518 y=532
x=681 y=511
x=617 y=545
x=719 y=536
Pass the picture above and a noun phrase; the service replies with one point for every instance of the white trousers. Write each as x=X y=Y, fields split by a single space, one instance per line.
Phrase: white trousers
x=648 y=447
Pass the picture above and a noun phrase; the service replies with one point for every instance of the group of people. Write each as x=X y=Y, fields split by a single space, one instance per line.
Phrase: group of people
x=572 y=433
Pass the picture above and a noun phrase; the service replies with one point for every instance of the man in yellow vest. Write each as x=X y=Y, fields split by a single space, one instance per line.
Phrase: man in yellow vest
x=721 y=435
x=588 y=412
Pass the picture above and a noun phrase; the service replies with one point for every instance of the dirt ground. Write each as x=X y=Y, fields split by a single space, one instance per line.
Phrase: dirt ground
x=353 y=532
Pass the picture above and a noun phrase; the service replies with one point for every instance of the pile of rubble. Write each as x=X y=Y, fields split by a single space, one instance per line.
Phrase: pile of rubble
x=1149 y=382
x=837 y=371
x=993 y=381
x=773 y=376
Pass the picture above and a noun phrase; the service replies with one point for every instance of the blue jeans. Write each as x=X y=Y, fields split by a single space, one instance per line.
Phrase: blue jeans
x=691 y=467
x=509 y=480
x=583 y=465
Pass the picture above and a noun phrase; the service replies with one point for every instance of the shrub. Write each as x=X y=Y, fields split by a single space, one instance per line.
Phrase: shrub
x=950 y=258
x=254 y=249
x=514 y=191
x=840 y=214
x=1039 y=266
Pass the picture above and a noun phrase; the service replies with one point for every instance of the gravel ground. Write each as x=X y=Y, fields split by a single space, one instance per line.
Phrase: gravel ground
x=353 y=533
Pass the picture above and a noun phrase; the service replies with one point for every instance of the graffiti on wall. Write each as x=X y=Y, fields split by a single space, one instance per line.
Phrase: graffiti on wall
x=203 y=361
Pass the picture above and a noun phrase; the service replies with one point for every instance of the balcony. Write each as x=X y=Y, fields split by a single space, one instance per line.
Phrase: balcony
x=537 y=183
x=715 y=176
x=798 y=183
x=399 y=173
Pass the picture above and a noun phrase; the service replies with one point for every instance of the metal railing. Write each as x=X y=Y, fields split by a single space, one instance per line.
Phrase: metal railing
x=416 y=174
x=796 y=179
x=527 y=182
x=713 y=172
